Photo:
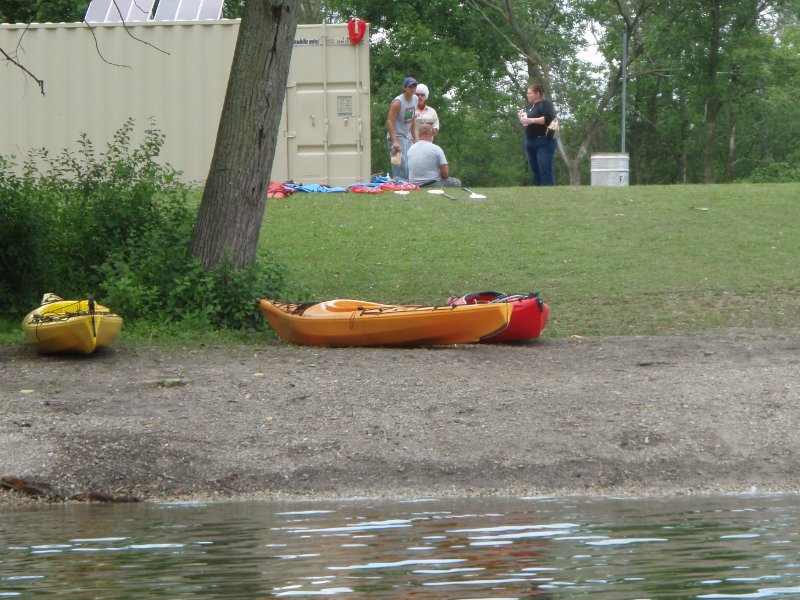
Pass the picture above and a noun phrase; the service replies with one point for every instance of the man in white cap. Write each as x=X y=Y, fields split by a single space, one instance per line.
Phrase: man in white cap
x=402 y=128
x=426 y=113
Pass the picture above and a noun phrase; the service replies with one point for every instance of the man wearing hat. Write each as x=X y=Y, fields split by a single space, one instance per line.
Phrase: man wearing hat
x=402 y=128
x=425 y=112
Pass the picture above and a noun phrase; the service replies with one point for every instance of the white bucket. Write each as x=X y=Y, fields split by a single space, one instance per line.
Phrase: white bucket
x=610 y=168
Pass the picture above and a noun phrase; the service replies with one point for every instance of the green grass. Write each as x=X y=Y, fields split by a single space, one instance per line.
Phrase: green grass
x=609 y=261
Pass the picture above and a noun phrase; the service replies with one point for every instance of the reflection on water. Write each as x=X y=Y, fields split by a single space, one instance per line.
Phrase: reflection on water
x=684 y=547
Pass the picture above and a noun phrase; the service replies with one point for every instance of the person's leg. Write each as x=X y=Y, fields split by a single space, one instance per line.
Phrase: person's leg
x=403 y=169
x=396 y=169
x=451 y=182
x=533 y=163
x=545 y=156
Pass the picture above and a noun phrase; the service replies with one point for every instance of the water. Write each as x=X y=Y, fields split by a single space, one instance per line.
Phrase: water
x=685 y=547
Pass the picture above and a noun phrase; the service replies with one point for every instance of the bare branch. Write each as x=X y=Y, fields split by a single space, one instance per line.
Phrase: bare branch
x=97 y=47
x=40 y=82
x=125 y=26
x=13 y=61
x=506 y=12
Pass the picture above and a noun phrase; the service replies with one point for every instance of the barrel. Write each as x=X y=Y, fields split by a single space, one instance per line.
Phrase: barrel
x=610 y=168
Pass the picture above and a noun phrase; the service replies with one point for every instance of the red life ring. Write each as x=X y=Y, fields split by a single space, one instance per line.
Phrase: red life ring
x=357 y=28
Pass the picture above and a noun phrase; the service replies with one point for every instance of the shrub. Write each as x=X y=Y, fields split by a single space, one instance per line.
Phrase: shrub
x=777 y=172
x=24 y=217
x=117 y=225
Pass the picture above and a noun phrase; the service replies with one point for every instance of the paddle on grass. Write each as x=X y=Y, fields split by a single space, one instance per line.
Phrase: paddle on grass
x=441 y=193
x=473 y=195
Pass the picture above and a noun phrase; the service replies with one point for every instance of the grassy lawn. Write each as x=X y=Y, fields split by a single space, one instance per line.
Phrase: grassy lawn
x=609 y=261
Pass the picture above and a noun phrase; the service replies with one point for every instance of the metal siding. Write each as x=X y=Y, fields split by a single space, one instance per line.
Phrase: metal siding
x=184 y=92
x=328 y=107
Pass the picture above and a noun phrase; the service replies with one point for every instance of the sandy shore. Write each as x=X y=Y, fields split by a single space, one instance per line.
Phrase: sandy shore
x=686 y=414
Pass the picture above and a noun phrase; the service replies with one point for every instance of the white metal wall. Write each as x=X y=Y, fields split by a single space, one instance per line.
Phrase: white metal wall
x=177 y=73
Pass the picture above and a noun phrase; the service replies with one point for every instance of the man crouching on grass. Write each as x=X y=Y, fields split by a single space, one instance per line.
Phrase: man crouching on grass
x=427 y=164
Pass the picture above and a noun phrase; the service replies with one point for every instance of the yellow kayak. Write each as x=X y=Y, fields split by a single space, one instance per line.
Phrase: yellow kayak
x=344 y=322
x=77 y=326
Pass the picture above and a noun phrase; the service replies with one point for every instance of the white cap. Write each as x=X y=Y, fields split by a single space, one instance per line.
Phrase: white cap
x=422 y=89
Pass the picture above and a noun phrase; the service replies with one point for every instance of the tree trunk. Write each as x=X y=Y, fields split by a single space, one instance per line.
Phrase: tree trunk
x=708 y=143
x=573 y=166
x=729 y=160
x=683 y=155
x=232 y=208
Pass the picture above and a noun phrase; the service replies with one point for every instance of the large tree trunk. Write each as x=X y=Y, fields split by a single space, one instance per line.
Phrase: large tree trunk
x=232 y=207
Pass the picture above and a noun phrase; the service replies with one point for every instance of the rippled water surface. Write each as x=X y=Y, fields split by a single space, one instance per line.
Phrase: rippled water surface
x=684 y=547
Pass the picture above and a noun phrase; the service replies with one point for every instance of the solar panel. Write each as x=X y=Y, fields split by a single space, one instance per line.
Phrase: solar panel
x=188 y=10
x=167 y=10
x=97 y=11
x=117 y=11
x=140 y=10
x=210 y=10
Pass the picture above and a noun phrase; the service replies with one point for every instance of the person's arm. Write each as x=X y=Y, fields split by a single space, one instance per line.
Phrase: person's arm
x=435 y=124
x=394 y=109
x=444 y=170
x=549 y=112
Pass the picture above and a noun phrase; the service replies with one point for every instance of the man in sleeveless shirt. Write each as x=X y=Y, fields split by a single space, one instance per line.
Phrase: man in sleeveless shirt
x=402 y=128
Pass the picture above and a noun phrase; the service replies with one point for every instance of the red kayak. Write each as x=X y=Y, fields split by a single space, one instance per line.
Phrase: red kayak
x=528 y=316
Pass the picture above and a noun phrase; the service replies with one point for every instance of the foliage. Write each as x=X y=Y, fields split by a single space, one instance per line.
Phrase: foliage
x=42 y=11
x=712 y=86
x=447 y=47
x=117 y=226
x=775 y=173
x=24 y=215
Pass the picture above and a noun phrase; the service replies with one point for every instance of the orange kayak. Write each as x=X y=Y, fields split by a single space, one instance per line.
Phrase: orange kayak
x=344 y=322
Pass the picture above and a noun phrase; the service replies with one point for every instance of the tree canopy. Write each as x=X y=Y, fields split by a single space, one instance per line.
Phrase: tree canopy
x=706 y=82
x=711 y=85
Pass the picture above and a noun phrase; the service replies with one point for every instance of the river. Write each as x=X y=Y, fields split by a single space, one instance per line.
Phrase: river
x=737 y=546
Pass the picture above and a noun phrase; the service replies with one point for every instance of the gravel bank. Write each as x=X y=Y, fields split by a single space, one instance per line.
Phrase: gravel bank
x=686 y=414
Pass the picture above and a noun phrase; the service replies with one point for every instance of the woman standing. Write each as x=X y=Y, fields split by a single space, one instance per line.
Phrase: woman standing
x=425 y=112
x=539 y=148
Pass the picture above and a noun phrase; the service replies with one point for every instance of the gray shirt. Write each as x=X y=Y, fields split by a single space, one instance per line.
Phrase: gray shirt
x=402 y=124
x=424 y=162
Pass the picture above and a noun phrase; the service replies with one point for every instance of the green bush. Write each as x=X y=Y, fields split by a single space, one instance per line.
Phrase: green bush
x=117 y=226
x=24 y=217
x=777 y=172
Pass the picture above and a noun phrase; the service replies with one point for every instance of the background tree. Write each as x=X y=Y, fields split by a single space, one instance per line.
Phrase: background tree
x=42 y=11
x=711 y=84
x=477 y=56
x=705 y=87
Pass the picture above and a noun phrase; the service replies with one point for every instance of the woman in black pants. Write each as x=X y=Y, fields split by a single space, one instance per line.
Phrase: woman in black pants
x=539 y=148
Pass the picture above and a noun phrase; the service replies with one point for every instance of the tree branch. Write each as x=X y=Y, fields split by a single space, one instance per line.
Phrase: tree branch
x=39 y=82
x=125 y=26
x=13 y=61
